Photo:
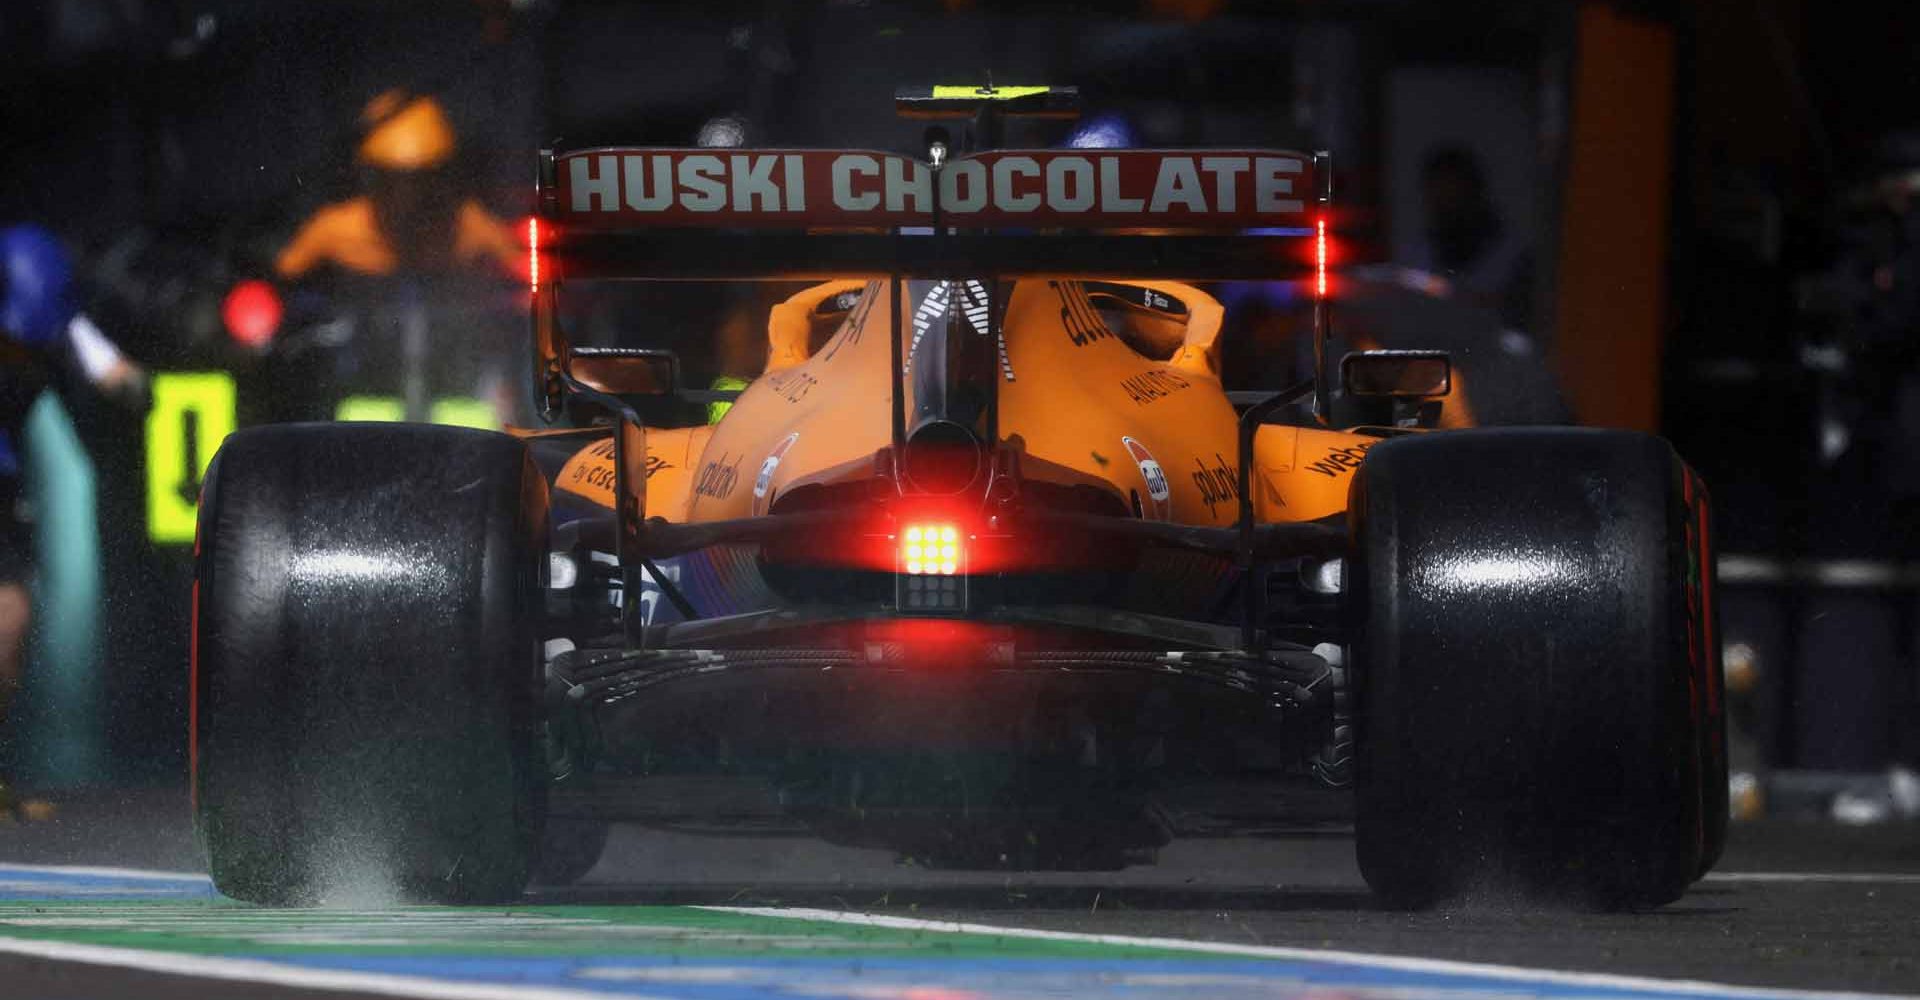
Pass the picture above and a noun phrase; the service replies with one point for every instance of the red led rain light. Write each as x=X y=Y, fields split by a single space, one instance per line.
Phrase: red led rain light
x=930 y=549
x=1320 y=257
x=533 y=253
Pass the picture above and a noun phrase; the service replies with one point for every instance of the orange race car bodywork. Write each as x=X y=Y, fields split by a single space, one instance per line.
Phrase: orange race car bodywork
x=1081 y=406
x=1036 y=355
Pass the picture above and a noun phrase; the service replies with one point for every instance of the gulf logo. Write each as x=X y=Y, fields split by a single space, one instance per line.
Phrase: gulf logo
x=1155 y=478
x=764 y=482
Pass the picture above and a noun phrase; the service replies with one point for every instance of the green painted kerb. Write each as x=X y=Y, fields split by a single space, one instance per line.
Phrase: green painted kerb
x=522 y=932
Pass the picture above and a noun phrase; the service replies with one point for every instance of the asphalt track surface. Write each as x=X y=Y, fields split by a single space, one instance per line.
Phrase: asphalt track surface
x=1792 y=907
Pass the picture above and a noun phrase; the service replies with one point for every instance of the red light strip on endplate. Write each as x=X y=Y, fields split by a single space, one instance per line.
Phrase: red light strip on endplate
x=1320 y=257
x=533 y=253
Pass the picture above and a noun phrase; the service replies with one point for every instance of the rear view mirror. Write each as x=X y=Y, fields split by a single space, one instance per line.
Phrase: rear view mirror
x=1397 y=374
x=625 y=371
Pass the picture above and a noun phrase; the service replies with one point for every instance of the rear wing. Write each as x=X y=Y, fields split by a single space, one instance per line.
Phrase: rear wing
x=633 y=214
x=693 y=214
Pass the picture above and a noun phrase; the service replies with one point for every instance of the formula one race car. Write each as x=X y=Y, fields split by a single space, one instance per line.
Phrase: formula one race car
x=985 y=567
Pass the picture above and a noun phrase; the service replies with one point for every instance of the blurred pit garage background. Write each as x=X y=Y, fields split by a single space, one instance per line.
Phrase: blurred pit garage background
x=1695 y=218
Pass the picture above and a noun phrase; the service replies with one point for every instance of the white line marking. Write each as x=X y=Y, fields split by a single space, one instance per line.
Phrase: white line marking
x=259 y=971
x=1371 y=960
x=253 y=970
x=1836 y=878
x=88 y=871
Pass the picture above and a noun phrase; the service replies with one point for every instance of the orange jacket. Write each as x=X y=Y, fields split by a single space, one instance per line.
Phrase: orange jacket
x=348 y=235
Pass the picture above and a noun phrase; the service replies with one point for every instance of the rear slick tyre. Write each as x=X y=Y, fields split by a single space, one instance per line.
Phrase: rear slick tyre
x=366 y=665
x=1530 y=652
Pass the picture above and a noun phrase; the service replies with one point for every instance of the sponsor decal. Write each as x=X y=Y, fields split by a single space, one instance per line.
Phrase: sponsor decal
x=932 y=307
x=972 y=296
x=792 y=386
x=718 y=478
x=593 y=476
x=1218 y=483
x=973 y=305
x=1148 y=386
x=855 y=324
x=1341 y=461
x=1008 y=187
x=1081 y=320
x=589 y=473
x=764 y=480
x=1155 y=478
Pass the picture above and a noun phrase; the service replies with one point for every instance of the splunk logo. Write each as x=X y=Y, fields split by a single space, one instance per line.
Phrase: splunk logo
x=1078 y=316
x=717 y=479
x=1217 y=483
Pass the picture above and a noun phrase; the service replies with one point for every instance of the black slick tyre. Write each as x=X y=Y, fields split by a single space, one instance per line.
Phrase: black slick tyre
x=1530 y=649
x=366 y=664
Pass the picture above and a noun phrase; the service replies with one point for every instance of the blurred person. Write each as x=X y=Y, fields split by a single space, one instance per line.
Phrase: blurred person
x=401 y=271
x=1866 y=497
x=413 y=217
x=42 y=337
x=1465 y=247
x=1884 y=334
x=1865 y=311
x=1466 y=288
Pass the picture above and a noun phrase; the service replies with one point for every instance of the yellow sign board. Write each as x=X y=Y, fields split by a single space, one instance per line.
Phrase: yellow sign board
x=464 y=411
x=192 y=413
x=975 y=91
x=378 y=409
x=452 y=411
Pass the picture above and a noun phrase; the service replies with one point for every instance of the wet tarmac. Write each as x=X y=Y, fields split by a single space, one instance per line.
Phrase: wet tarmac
x=1793 y=906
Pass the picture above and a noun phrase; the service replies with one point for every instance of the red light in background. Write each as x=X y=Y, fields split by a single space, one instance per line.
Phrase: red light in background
x=937 y=643
x=252 y=313
x=533 y=253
